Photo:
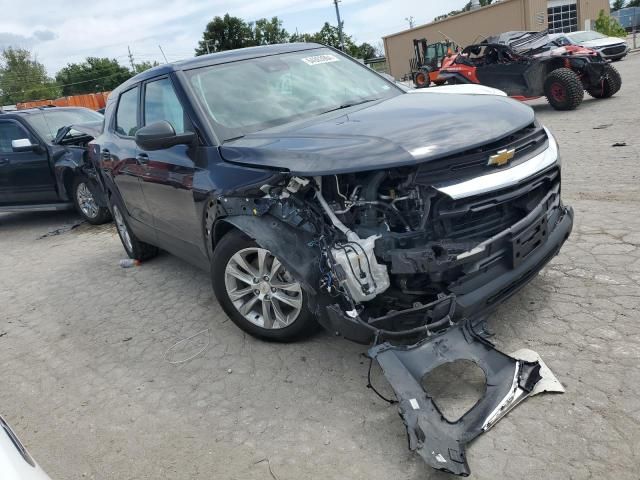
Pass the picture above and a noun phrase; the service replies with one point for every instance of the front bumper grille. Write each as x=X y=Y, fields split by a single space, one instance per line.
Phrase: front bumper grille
x=615 y=50
x=481 y=217
x=527 y=142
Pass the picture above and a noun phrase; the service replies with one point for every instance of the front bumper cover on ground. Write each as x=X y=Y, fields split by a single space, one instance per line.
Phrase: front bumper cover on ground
x=509 y=380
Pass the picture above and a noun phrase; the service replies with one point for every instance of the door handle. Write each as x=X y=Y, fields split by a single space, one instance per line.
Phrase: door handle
x=142 y=159
x=4 y=161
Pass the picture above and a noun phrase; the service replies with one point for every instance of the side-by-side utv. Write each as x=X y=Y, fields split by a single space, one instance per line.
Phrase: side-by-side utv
x=532 y=67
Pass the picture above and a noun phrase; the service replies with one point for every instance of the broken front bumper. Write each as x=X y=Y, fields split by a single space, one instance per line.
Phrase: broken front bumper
x=509 y=380
x=494 y=270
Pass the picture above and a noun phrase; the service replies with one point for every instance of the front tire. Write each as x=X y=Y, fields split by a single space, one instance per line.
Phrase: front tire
x=421 y=80
x=563 y=89
x=135 y=248
x=257 y=293
x=86 y=204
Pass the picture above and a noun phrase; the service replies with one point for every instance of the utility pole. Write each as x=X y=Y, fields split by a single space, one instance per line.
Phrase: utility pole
x=133 y=65
x=335 y=2
x=162 y=51
x=410 y=20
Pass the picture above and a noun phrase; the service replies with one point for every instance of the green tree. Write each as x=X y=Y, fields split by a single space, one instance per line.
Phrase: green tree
x=609 y=26
x=364 y=51
x=617 y=5
x=329 y=35
x=225 y=33
x=142 y=66
x=23 y=78
x=302 y=37
x=268 y=32
x=92 y=75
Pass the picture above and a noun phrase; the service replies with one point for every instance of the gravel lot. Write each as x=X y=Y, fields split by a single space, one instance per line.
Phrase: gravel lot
x=87 y=380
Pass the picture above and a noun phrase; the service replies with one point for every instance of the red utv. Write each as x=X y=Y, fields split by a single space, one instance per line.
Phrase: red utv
x=531 y=67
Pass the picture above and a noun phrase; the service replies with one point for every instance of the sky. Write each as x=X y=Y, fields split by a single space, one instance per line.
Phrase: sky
x=59 y=32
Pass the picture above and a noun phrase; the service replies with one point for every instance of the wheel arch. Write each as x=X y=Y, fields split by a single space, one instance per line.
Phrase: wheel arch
x=290 y=245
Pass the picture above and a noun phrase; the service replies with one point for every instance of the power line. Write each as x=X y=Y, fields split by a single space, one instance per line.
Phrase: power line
x=53 y=84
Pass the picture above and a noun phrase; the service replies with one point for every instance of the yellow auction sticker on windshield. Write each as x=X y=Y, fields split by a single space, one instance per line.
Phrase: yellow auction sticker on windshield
x=318 y=59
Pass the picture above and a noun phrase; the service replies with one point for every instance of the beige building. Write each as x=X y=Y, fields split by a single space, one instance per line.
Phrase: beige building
x=503 y=16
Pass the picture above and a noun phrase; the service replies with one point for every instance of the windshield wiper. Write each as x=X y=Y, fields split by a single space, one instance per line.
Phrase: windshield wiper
x=351 y=104
x=232 y=139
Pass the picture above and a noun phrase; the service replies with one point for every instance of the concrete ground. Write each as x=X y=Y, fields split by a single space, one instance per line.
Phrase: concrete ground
x=90 y=381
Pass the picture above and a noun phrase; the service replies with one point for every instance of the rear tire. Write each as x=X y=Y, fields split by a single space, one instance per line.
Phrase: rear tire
x=236 y=268
x=611 y=83
x=563 y=89
x=135 y=248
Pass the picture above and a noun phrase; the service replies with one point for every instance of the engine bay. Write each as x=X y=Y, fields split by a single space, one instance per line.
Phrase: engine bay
x=388 y=249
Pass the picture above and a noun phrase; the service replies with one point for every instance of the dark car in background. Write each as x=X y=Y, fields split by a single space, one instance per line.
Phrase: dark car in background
x=313 y=188
x=44 y=163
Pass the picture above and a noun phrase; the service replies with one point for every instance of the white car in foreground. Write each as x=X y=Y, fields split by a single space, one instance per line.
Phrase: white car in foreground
x=611 y=48
x=15 y=461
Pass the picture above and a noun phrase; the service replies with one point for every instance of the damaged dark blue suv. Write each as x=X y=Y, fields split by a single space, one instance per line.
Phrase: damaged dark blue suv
x=315 y=190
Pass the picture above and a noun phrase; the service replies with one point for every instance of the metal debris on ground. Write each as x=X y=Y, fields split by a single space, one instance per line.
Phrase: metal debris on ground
x=619 y=144
x=61 y=230
x=509 y=380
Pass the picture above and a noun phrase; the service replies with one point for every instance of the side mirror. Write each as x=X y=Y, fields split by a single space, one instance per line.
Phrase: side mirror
x=23 y=145
x=161 y=135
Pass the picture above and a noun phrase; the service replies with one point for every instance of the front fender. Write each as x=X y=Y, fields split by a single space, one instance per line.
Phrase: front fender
x=70 y=163
x=292 y=246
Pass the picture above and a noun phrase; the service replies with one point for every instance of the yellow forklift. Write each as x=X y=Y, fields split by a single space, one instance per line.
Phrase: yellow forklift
x=427 y=61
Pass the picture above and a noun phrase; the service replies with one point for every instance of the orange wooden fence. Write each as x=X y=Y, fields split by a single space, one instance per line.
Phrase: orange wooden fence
x=94 y=101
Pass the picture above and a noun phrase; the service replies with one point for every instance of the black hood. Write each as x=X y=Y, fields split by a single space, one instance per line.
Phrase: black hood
x=90 y=129
x=405 y=130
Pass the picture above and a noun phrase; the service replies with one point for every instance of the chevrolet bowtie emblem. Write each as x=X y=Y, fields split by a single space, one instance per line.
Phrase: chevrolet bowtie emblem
x=502 y=157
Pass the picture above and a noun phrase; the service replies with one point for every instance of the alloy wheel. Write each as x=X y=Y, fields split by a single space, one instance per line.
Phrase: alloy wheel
x=86 y=201
x=261 y=289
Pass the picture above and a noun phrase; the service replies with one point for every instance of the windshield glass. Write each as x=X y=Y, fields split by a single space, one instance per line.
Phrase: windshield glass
x=252 y=95
x=585 y=36
x=48 y=121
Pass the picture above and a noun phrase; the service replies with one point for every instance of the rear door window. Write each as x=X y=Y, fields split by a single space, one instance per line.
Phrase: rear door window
x=127 y=113
x=161 y=103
